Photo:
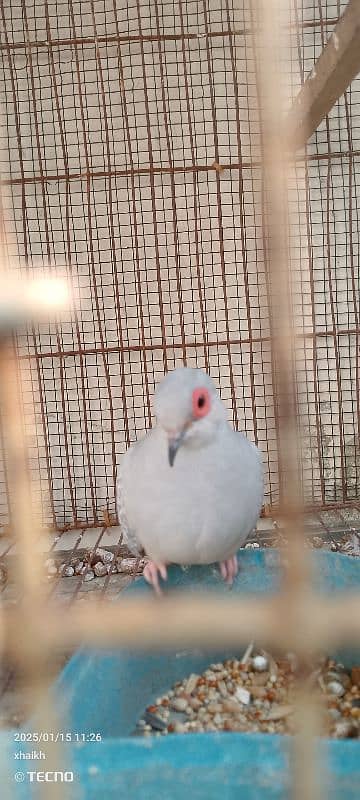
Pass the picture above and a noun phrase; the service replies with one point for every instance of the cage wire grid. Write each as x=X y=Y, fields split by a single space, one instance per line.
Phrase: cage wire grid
x=132 y=151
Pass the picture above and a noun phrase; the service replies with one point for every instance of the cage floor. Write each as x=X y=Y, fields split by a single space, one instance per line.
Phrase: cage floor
x=334 y=529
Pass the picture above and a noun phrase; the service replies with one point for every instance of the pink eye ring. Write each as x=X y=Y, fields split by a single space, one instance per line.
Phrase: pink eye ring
x=200 y=403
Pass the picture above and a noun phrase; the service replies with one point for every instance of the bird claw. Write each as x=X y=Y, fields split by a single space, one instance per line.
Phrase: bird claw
x=229 y=569
x=151 y=574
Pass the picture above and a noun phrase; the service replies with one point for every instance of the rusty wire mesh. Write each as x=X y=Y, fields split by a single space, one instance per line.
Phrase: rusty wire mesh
x=132 y=152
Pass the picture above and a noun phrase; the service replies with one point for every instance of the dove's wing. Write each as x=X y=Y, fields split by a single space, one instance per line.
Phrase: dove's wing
x=129 y=538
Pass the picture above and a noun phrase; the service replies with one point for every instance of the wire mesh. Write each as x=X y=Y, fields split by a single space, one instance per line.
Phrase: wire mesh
x=132 y=151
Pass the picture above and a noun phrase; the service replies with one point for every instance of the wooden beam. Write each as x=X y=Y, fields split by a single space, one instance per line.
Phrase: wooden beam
x=332 y=73
x=180 y=620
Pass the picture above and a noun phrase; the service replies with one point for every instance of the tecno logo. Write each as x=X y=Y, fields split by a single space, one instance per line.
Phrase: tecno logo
x=51 y=777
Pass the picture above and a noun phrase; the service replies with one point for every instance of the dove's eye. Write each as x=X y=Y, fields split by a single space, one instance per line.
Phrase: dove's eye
x=200 y=403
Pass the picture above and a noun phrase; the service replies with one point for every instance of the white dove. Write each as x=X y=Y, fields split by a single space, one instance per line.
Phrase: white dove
x=191 y=491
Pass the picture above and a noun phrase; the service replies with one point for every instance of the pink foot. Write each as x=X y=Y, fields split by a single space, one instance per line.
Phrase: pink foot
x=151 y=575
x=229 y=569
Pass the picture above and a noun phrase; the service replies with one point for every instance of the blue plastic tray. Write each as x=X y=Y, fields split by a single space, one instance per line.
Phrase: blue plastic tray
x=105 y=693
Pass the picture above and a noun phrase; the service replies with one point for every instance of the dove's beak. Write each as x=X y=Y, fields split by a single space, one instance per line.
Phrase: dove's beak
x=174 y=444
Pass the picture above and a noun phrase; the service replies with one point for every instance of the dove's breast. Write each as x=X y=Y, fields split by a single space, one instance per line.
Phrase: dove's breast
x=198 y=511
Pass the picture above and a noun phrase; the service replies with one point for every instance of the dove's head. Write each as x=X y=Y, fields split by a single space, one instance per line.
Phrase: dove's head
x=188 y=409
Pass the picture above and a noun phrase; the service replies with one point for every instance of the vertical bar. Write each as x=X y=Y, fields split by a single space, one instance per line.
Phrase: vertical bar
x=27 y=254
x=271 y=25
x=35 y=662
